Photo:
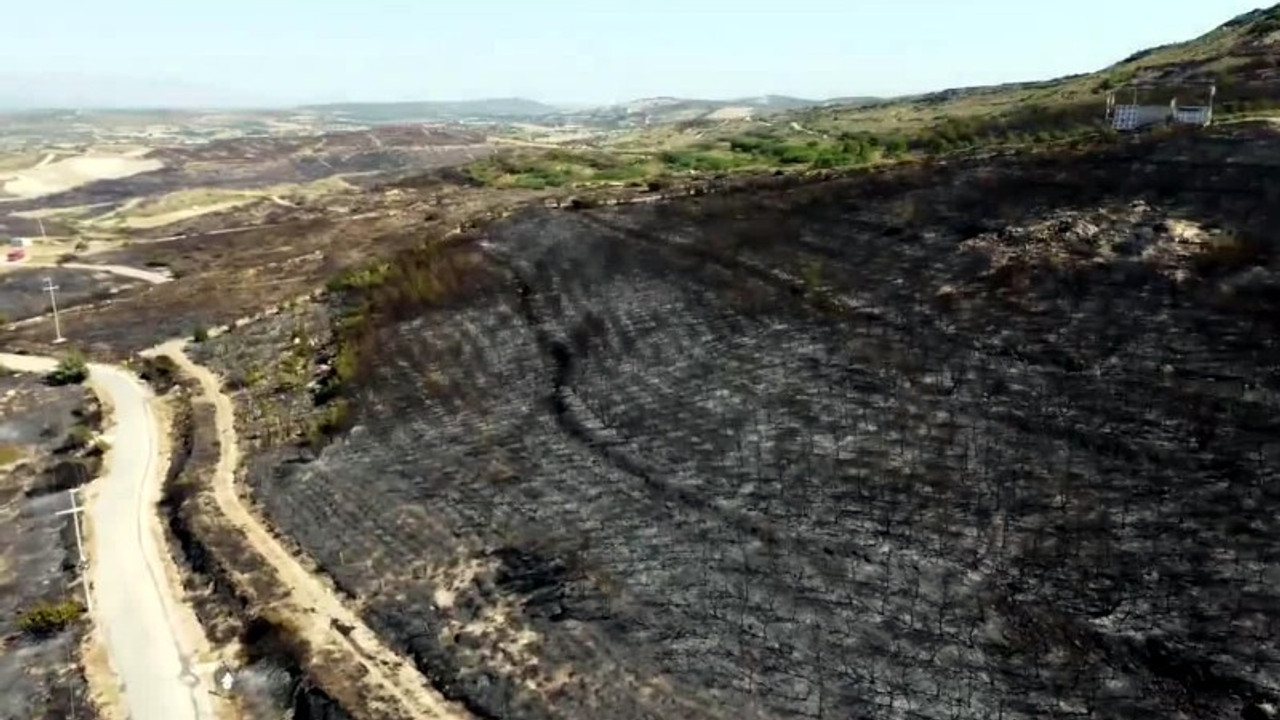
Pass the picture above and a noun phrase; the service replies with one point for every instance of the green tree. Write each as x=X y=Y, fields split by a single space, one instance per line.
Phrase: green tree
x=72 y=370
x=49 y=618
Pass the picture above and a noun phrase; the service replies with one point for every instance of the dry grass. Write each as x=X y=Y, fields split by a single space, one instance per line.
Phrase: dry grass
x=68 y=173
x=18 y=160
x=10 y=454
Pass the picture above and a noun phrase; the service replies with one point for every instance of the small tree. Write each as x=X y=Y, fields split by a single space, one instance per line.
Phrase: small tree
x=201 y=334
x=46 y=618
x=72 y=370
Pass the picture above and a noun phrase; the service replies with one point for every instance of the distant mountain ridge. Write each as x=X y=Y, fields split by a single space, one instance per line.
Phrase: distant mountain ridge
x=652 y=110
x=428 y=110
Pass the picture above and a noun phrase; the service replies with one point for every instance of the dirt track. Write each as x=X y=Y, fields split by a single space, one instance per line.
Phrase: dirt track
x=314 y=606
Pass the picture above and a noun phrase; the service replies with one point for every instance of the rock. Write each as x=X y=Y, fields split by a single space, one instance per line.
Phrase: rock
x=1259 y=711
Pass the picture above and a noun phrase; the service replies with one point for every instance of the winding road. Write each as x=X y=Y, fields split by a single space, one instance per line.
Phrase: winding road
x=150 y=636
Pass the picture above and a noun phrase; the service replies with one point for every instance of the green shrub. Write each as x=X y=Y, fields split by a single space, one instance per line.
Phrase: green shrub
x=360 y=278
x=331 y=420
x=10 y=454
x=201 y=334
x=78 y=438
x=160 y=372
x=49 y=618
x=72 y=370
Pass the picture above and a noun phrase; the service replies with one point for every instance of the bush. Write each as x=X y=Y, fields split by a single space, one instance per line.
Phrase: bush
x=78 y=438
x=201 y=334
x=159 y=372
x=71 y=371
x=10 y=454
x=46 y=618
x=332 y=419
x=360 y=278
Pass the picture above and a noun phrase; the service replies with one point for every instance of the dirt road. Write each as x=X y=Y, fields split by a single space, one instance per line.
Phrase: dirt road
x=150 y=276
x=317 y=609
x=147 y=631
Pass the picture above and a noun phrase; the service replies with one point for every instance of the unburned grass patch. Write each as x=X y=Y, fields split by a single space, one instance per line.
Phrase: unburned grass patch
x=48 y=618
x=10 y=454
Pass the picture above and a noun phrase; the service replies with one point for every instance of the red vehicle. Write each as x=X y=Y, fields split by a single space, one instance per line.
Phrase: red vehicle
x=16 y=254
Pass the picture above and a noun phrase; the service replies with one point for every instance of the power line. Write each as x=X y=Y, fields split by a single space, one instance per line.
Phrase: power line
x=82 y=563
x=52 y=289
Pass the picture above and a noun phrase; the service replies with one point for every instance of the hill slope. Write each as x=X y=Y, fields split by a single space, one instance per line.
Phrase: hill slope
x=459 y=110
x=1242 y=56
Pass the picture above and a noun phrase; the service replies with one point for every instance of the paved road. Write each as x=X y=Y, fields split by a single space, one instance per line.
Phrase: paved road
x=134 y=607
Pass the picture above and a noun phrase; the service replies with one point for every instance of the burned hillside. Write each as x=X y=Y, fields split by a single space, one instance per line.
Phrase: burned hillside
x=986 y=439
x=43 y=436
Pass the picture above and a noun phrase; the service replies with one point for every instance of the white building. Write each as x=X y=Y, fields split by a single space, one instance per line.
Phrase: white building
x=19 y=242
x=1136 y=116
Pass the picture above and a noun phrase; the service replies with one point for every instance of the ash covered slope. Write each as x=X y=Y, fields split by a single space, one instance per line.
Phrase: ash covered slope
x=973 y=441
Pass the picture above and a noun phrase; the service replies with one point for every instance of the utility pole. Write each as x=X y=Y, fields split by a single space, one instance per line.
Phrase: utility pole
x=52 y=289
x=82 y=563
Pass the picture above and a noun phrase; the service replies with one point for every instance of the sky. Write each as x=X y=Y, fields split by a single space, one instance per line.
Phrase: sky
x=286 y=52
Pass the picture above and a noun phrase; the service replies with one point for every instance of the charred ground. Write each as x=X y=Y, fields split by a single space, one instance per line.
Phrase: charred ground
x=247 y=163
x=979 y=439
x=43 y=434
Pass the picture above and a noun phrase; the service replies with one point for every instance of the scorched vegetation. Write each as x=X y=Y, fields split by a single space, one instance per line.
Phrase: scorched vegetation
x=978 y=440
x=44 y=451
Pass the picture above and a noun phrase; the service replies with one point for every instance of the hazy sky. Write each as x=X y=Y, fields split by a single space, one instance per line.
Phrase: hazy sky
x=162 y=52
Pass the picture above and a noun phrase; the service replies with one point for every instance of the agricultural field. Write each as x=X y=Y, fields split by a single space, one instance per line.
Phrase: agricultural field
x=990 y=438
x=255 y=163
x=40 y=663
x=53 y=175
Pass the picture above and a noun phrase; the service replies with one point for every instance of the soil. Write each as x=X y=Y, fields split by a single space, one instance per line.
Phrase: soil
x=992 y=438
x=40 y=678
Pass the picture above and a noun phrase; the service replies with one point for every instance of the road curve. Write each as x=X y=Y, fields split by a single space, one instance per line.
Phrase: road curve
x=134 y=607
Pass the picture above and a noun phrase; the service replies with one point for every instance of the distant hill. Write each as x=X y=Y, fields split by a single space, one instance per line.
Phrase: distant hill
x=492 y=108
x=1242 y=56
x=653 y=111
x=670 y=110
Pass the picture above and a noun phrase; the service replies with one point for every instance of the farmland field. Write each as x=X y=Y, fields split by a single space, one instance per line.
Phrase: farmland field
x=989 y=440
